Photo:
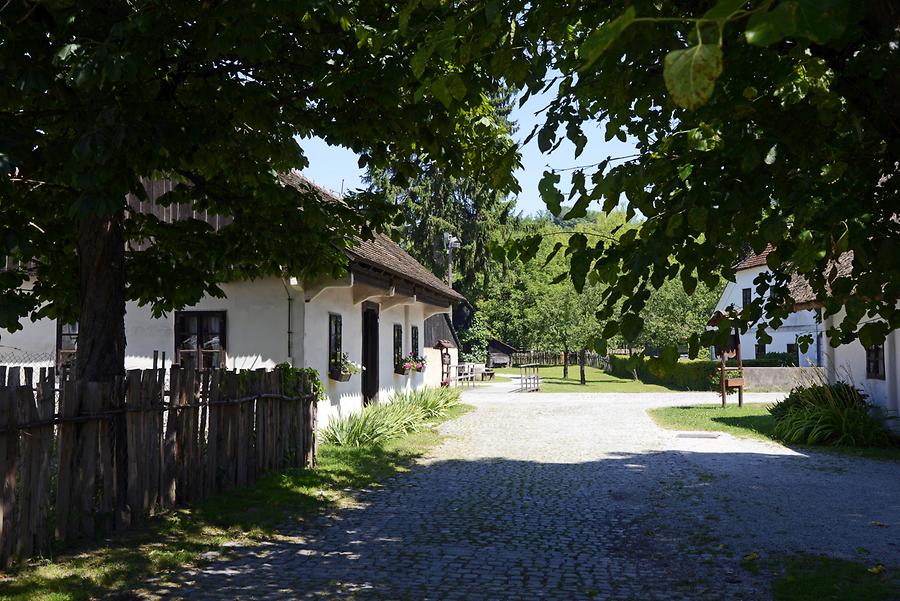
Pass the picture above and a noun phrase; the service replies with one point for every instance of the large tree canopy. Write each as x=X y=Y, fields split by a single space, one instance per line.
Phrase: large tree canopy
x=756 y=122
x=97 y=97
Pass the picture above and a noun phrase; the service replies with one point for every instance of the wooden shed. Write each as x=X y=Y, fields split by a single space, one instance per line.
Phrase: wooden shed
x=500 y=354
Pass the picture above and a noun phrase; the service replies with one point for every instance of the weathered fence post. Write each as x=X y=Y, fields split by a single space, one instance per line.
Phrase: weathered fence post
x=9 y=451
x=170 y=443
x=223 y=429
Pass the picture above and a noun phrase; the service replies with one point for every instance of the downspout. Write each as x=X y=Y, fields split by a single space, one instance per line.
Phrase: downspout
x=290 y=323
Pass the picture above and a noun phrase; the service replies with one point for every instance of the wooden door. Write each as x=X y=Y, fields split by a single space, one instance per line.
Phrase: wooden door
x=369 y=352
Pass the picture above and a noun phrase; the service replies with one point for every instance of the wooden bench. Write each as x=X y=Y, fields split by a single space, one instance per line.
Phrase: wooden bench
x=463 y=374
x=487 y=374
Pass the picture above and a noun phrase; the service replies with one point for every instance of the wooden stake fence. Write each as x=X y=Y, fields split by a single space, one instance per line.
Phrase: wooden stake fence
x=81 y=459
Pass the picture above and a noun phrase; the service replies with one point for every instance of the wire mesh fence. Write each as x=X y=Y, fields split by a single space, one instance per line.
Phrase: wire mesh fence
x=14 y=357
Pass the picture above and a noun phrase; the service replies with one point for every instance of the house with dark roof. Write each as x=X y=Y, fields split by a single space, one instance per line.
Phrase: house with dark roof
x=784 y=338
x=375 y=315
x=875 y=370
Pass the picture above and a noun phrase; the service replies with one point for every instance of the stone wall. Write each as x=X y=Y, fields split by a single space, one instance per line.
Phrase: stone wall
x=780 y=378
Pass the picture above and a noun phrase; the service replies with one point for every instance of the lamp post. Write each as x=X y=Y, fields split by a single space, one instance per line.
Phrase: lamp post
x=450 y=242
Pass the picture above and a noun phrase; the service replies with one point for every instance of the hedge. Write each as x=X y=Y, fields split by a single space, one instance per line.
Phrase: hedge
x=700 y=374
x=768 y=360
x=684 y=375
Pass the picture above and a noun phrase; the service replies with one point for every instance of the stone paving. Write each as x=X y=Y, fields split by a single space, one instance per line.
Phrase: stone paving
x=560 y=496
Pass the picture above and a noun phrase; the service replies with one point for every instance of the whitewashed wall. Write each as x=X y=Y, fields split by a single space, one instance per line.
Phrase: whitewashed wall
x=257 y=336
x=346 y=397
x=407 y=316
x=797 y=324
x=256 y=328
x=343 y=397
x=848 y=363
x=433 y=367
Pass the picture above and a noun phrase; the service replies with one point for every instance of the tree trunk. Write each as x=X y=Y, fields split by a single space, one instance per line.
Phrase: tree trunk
x=101 y=286
x=581 y=358
x=565 y=363
x=100 y=354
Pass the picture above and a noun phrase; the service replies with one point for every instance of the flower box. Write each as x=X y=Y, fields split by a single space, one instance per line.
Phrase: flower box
x=338 y=375
x=401 y=371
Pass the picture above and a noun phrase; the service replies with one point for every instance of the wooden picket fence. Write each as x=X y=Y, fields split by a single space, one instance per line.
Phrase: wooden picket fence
x=82 y=459
x=544 y=358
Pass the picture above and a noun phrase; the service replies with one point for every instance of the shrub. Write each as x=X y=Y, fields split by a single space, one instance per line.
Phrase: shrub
x=830 y=414
x=434 y=402
x=404 y=413
x=684 y=375
x=715 y=378
x=768 y=360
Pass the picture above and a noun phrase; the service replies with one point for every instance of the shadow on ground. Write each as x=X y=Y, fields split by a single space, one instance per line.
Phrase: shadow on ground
x=656 y=525
x=176 y=538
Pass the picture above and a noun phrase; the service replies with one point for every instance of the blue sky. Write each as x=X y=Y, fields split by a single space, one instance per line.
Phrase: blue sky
x=336 y=167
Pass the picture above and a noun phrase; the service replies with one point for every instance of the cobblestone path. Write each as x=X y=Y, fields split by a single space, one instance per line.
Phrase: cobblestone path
x=575 y=497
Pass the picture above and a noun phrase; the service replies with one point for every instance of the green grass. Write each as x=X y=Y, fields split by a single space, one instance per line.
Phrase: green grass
x=596 y=380
x=752 y=421
x=813 y=578
x=177 y=538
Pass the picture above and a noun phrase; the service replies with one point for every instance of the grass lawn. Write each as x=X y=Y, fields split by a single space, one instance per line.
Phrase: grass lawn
x=178 y=537
x=752 y=421
x=597 y=380
x=813 y=578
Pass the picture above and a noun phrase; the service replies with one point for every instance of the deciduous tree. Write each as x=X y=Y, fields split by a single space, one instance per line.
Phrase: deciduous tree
x=97 y=97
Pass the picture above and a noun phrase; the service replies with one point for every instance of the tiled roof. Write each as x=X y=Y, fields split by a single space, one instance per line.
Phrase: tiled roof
x=380 y=252
x=802 y=292
x=384 y=253
x=753 y=259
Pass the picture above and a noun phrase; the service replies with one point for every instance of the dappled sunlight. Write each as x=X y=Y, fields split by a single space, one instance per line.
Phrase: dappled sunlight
x=477 y=526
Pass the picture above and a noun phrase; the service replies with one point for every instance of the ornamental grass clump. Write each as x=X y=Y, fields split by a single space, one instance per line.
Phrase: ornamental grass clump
x=434 y=402
x=404 y=413
x=830 y=414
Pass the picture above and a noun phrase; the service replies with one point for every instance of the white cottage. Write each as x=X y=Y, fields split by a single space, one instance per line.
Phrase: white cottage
x=875 y=371
x=375 y=314
x=784 y=339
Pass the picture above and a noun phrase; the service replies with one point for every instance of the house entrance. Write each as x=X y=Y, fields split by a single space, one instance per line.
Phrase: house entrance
x=369 y=352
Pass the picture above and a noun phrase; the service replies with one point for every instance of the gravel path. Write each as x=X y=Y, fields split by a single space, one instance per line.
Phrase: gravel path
x=562 y=496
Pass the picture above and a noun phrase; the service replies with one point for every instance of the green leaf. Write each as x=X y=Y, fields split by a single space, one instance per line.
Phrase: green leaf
x=724 y=9
x=551 y=196
x=631 y=326
x=603 y=37
x=694 y=346
x=688 y=282
x=669 y=355
x=691 y=74
x=821 y=20
x=420 y=60
x=66 y=51
x=764 y=29
x=442 y=92
x=610 y=329
x=556 y=248
x=873 y=333
x=560 y=278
